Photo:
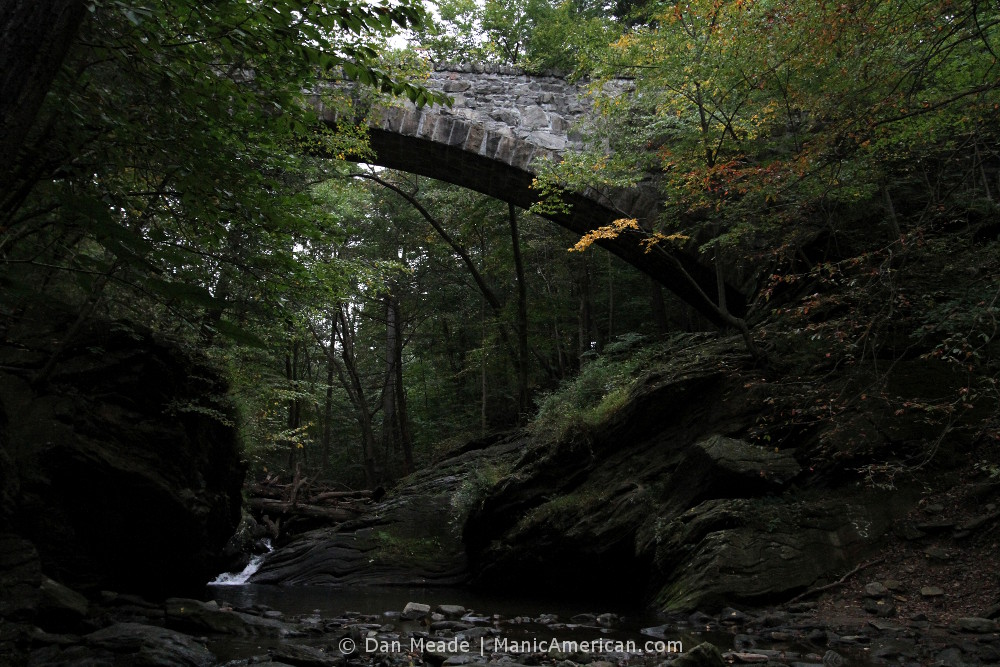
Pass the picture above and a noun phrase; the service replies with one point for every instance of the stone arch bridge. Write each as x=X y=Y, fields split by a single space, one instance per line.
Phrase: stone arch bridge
x=501 y=123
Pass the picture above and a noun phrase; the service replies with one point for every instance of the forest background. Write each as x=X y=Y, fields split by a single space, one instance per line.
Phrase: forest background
x=838 y=161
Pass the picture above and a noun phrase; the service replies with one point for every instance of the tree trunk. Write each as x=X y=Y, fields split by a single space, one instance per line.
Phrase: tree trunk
x=523 y=399
x=405 y=437
x=328 y=406
x=35 y=36
x=611 y=299
x=356 y=391
x=395 y=427
x=390 y=433
x=658 y=308
x=291 y=374
x=482 y=378
x=588 y=340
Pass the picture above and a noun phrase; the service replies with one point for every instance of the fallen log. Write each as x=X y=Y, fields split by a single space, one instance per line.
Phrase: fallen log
x=340 y=495
x=275 y=491
x=286 y=509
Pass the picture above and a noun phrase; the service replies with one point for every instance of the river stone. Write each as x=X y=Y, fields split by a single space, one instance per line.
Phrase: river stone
x=832 y=659
x=451 y=610
x=608 y=620
x=881 y=608
x=702 y=655
x=148 y=646
x=194 y=615
x=20 y=578
x=730 y=616
x=976 y=625
x=938 y=554
x=60 y=607
x=414 y=611
x=876 y=589
x=894 y=648
x=304 y=656
x=931 y=592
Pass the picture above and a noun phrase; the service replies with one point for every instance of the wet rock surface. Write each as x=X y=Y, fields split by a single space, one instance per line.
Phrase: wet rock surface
x=412 y=537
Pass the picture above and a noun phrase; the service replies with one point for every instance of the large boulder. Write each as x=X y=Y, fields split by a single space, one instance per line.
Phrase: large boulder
x=125 y=458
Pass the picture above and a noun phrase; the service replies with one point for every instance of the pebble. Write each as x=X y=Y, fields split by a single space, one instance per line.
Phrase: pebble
x=876 y=589
x=730 y=616
x=701 y=620
x=451 y=610
x=976 y=625
x=832 y=659
x=415 y=611
x=881 y=608
x=608 y=620
x=938 y=554
x=931 y=592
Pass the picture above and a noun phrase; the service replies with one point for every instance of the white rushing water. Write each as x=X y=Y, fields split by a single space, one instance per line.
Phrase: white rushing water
x=238 y=578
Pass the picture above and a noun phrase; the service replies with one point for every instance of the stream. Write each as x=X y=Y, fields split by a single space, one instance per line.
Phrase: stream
x=398 y=626
x=490 y=624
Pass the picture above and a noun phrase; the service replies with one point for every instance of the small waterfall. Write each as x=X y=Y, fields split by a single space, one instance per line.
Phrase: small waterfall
x=237 y=578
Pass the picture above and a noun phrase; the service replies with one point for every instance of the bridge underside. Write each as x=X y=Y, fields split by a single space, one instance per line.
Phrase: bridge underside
x=512 y=184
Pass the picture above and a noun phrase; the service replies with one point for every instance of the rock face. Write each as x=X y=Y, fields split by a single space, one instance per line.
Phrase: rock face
x=663 y=502
x=125 y=461
x=660 y=503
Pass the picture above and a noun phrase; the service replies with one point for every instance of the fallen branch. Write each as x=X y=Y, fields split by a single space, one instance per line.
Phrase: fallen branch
x=835 y=584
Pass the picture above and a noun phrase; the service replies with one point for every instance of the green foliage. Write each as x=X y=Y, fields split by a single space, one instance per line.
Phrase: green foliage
x=475 y=488
x=766 y=118
x=599 y=390
x=538 y=35
x=569 y=37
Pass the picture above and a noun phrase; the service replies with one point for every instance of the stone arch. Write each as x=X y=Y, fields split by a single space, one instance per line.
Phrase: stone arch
x=501 y=123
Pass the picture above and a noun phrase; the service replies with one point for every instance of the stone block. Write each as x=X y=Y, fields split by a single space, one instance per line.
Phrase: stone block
x=410 y=123
x=442 y=130
x=459 y=133
x=474 y=141
x=428 y=123
x=456 y=86
x=535 y=117
x=548 y=140
x=505 y=150
x=522 y=155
